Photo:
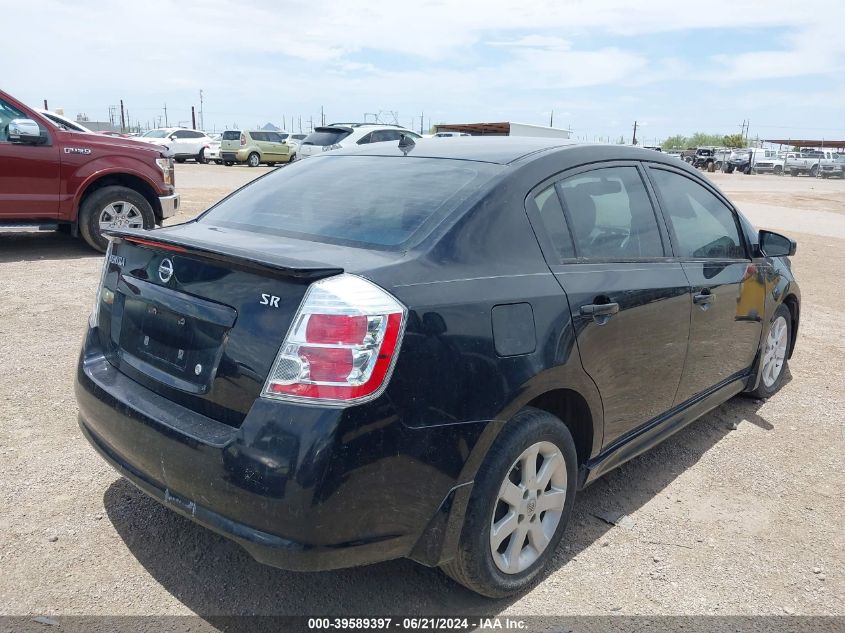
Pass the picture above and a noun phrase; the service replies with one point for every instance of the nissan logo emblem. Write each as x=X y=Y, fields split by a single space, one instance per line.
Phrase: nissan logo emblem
x=165 y=270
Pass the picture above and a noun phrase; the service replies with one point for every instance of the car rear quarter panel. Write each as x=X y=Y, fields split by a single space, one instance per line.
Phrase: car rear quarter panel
x=449 y=372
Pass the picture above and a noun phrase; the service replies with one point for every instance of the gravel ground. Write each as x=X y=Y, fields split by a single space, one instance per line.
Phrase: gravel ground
x=740 y=513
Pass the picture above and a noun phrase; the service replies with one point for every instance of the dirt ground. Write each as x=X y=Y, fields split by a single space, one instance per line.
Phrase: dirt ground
x=740 y=513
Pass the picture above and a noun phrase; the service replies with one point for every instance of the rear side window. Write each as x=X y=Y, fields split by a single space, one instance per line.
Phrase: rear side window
x=703 y=225
x=232 y=135
x=325 y=137
x=551 y=213
x=371 y=201
x=611 y=215
x=258 y=136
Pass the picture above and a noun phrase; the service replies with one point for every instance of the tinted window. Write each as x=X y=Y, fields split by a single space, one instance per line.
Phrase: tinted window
x=703 y=225
x=156 y=134
x=367 y=200
x=325 y=137
x=381 y=136
x=611 y=214
x=232 y=135
x=258 y=136
x=365 y=139
x=548 y=204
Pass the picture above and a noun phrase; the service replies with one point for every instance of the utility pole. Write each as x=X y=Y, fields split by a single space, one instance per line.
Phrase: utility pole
x=747 y=129
x=300 y=124
x=202 y=118
x=193 y=118
x=311 y=123
x=422 y=117
x=45 y=105
x=634 y=140
x=322 y=116
x=552 y=119
x=166 y=123
x=122 y=118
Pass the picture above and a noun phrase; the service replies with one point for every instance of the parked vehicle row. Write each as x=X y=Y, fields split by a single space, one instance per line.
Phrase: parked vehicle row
x=340 y=135
x=747 y=160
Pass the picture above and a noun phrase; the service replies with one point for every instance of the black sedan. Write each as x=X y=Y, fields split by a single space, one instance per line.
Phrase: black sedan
x=425 y=350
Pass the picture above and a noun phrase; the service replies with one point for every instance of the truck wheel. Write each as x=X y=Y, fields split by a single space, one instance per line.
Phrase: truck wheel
x=113 y=208
x=778 y=170
x=814 y=171
x=201 y=159
x=520 y=504
x=793 y=172
x=228 y=163
x=253 y=160
x=179 y=160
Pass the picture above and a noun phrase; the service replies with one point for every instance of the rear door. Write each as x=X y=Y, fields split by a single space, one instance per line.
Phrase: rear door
x=727 y=289
x=29 y=174
x=628 y=299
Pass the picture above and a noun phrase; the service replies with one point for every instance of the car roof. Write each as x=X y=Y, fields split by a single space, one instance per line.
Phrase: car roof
x=506 y=150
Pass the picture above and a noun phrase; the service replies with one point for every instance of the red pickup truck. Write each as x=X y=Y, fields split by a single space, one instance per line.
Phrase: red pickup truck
x=53 y=178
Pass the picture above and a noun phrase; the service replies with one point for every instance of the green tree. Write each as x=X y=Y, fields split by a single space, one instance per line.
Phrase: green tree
x=702 y=139
x=734 y=140
x=678 y=141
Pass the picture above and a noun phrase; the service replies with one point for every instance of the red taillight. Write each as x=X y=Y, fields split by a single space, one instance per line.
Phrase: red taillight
x=341 y=346
x=157 y=245
x=336 y=328
x=243 y=139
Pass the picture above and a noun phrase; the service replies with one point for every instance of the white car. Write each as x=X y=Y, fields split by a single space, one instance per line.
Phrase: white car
x=182 y=142
x=295 y=141
x=450 y=134
x=212 y=152
x=339 y=135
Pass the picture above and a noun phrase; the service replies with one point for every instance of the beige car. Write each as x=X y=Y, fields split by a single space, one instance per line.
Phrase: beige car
x=254 y=147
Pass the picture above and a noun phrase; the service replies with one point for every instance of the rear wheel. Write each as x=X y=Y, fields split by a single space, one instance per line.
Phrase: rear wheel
x=180 y=160
x=218 y=162
x=253 y=160
x=113 y=208
x=520 y=505
x=773 y=355
x=201 y=159
x=778 y=170
x=814 y=171
x=228 y=163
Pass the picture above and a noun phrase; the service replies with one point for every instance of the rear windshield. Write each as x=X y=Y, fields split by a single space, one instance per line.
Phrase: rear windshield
x=371 y=201
x=232 y=135
x=325 y=137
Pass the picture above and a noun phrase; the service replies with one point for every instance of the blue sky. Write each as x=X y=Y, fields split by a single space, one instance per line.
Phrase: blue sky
x=674 y=66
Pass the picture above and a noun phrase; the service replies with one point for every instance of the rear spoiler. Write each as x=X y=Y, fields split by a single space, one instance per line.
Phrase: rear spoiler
x=230 y=255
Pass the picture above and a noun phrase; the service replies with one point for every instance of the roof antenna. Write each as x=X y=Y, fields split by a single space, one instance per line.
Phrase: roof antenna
x=406 y=144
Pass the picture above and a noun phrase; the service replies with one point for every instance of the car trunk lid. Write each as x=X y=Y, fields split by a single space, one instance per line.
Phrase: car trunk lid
x=200 y=323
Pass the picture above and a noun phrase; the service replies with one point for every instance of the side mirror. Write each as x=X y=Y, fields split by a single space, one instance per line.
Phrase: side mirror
x=26 y=132
x=776 y=245
x=172 y=137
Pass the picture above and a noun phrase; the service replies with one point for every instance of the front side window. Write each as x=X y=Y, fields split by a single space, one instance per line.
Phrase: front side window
x=704 y=226
x=611 y=215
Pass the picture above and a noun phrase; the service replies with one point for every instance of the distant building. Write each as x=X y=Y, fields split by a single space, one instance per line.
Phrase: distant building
x=269 y=127
x=504 y=129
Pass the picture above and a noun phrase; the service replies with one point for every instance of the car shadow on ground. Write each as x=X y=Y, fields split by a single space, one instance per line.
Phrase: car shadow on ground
x=24 y=247
x=213 y=577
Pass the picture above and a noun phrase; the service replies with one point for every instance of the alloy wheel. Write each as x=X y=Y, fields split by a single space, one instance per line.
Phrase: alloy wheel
x=529 y=507
x=775 y=351
x=121 y=215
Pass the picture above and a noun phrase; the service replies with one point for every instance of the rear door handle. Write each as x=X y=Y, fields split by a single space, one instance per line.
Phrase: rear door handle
x=703 y=298
x=599 y=309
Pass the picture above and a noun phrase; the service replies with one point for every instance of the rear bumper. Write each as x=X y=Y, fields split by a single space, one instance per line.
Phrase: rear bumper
x=169 y=205
x=300 y=488
x=235 y=157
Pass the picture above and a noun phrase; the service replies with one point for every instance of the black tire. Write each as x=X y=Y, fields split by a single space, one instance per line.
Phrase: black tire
x=89 y=213
x=253 y=160
x=473 y=565
x=292 y=158
x=778 y=170
x=793 y=172
x=218 y=162
x=814 y=171
x=179 y=160
x=201 y=159
x=729 y=169
x=764 y=391
x=228 y=163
